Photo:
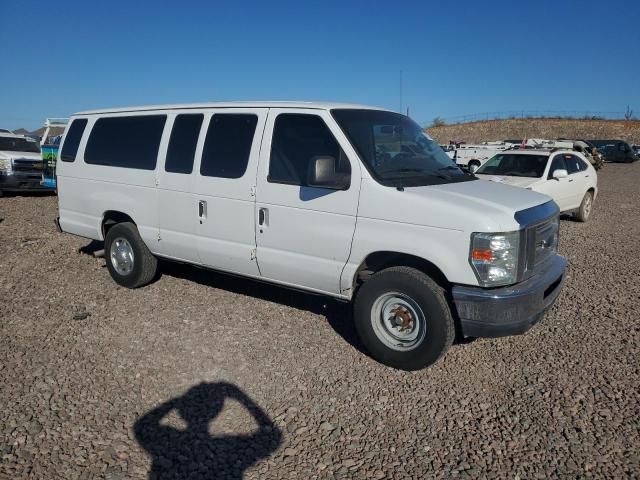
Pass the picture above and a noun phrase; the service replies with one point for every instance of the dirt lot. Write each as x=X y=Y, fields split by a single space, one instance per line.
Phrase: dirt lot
x=103 y=382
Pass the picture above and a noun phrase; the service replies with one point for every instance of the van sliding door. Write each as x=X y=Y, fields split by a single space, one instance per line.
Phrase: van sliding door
x=224 y=189
x=177 y=216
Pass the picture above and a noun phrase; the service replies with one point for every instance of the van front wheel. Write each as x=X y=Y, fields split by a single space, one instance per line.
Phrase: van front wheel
x=403 y=318
x=129 y=261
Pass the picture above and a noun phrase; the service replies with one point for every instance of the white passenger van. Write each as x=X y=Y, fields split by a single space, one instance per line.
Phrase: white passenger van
x=342 y=200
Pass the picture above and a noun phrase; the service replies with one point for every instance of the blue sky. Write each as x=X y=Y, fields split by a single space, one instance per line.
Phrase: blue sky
x=457 y=57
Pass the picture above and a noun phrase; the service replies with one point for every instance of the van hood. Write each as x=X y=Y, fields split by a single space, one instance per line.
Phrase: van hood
x=473 y=206
x=522 y=182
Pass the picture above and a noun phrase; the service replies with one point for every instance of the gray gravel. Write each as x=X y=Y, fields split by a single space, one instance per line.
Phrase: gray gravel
x=203 y=376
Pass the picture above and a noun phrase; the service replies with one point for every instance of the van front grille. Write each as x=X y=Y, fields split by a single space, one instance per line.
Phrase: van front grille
x=546 y=241
x=541 y=244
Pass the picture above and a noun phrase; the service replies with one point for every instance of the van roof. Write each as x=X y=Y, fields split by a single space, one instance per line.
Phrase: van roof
x=244 y=104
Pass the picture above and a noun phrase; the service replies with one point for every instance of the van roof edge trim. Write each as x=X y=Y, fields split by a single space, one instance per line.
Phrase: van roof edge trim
x=242 y=104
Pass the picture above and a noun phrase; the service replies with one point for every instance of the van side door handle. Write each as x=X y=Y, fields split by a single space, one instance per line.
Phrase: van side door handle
x=263 y=218
x=202 y=209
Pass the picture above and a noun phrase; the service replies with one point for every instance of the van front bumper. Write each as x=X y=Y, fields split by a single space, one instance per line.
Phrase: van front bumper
x=512 y=310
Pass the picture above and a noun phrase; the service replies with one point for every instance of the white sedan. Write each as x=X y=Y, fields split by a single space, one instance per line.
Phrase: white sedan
x=564 y=175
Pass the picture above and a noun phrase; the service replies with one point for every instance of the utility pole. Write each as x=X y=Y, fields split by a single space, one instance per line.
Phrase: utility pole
x=400 y=111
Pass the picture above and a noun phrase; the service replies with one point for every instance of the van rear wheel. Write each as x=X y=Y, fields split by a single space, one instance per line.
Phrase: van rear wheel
x=403 y=318
x=129 y=261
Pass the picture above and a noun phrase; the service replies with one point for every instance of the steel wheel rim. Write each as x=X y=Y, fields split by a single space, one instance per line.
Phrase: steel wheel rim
x=398 y=321
x=121 y=255
x=473 y=167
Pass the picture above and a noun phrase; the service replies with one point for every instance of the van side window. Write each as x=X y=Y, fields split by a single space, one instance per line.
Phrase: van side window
x=557 y=163
x=72 y=140
x=297 y=139
x=129 y=142
x=182 y=143
x=228 y=145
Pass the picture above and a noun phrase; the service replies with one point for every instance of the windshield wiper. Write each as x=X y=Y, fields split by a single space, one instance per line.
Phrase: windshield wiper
x=423 y=173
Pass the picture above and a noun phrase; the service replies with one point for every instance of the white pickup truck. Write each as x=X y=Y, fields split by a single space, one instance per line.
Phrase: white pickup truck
x=473 y=156
x=20 y=163
x=342 y=200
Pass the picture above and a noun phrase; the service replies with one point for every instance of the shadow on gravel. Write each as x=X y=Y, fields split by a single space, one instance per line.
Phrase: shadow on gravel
x=92 y=247
x=27 y=193
x=193 y=452
x=338 y=314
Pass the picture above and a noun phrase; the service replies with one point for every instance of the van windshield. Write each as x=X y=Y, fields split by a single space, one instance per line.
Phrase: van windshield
x=515 y=165
x=18 y=144
x=395 y=150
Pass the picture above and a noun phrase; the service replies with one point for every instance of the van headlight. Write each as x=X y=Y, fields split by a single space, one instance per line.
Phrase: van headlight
x=494 y=257
x=5 y=164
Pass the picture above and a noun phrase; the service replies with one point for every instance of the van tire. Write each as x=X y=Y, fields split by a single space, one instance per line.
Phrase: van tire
x=144 y=264
x=586 y=207
x=422 y=297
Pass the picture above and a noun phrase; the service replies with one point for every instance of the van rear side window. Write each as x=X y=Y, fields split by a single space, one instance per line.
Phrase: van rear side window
x=228 y=145
x=182 y=144
x=129 y=142
x=72 y=140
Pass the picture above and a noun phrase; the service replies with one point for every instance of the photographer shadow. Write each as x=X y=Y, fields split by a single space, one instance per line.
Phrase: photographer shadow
x=193 y=452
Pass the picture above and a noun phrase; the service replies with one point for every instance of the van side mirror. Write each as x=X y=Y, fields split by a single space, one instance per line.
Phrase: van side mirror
x=560 y=173
x=322 y=174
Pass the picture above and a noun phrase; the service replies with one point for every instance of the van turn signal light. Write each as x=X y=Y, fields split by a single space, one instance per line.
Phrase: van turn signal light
x=481 y=255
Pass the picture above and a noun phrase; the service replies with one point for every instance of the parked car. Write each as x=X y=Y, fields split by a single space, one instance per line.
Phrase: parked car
x=590 y=152
x=615 y=150
x=347 y=201
x=564 y=175
x=20 y=163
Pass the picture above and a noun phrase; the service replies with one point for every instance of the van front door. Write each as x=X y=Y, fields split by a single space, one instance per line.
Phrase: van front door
x=304 y=233
x=224 y=190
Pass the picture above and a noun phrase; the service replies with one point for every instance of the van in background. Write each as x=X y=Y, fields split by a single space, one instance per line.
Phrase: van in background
x=615 y=150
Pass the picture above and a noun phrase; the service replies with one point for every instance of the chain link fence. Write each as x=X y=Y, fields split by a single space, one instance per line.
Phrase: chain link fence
x=511 y=114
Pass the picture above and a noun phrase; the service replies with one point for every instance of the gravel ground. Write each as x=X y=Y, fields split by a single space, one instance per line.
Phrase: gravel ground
x=204 y=376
